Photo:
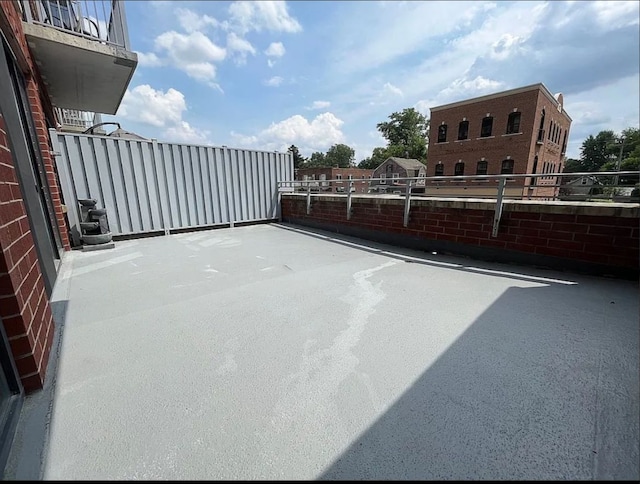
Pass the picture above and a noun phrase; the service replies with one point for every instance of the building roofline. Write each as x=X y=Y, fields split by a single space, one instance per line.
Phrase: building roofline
x=533 y=87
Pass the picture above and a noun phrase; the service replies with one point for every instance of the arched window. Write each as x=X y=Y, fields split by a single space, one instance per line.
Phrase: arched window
x=487 y=127
x=507 y=167
x=439 y=169
x=564 y=142
x=442 y=133
x=481 y=169
x=458 y=170
x=541 y=129
x=513 y=123
x=463 y=130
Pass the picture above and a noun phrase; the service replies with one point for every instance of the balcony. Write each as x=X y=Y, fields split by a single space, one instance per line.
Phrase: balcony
x=72 y=120
x=277 y=352
x=82 y=51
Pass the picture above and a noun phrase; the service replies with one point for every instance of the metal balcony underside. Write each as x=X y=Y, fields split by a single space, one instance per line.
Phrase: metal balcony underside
x=80 y=73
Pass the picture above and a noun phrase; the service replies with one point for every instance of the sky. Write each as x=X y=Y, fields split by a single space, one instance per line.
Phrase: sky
x=268 y=74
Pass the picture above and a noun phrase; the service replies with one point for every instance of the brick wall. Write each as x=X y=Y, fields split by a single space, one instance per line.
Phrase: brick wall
x=589 y=238
x=24 y=305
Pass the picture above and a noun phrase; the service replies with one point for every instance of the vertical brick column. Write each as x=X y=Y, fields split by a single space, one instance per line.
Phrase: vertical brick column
x=24 y=305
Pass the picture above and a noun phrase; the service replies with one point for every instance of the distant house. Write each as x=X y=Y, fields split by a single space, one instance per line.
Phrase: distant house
x=355 y=178
x=579 y=187
x=393 y=169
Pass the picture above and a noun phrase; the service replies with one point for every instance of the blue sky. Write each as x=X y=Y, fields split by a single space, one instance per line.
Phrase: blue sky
x=266 y=75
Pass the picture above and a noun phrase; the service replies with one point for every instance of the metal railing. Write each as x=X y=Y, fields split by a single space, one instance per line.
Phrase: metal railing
x=529 y=187
x=99 y=20
x=77 y=119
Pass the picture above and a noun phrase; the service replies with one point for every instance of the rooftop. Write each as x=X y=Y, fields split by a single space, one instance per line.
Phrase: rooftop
x=272 y=352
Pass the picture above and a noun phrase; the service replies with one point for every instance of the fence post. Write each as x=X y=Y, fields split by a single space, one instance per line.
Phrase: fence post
x=308 y=198
x=164 y=208
x=349 y=201
x=407 y=203
x=498 y=211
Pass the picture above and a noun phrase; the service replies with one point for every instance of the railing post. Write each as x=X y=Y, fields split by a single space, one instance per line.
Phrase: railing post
x=308 y=198
x=407 y=203
x=349 y=201
x=498 y=211
x=26 y=8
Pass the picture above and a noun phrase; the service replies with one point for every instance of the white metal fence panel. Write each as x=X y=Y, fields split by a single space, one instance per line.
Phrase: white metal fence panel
x=149 y=186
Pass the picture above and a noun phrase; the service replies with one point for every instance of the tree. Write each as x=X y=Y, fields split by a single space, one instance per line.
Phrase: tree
x=407 y=134
x=572 y=166
x=316 y=160
x=298 y=159
x=598 y=150
x=340 y=155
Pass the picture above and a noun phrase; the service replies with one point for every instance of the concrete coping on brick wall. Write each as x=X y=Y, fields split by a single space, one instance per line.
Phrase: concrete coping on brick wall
x=601 y=209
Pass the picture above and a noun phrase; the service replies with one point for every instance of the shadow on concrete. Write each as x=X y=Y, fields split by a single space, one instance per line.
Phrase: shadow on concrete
x=28 y=451
x=543 y=385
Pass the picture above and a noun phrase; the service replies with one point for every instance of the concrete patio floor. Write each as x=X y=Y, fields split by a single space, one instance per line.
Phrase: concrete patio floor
x=272 y=352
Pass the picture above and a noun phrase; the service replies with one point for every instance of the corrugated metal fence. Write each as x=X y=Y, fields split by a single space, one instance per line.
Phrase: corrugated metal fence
x=149 y=186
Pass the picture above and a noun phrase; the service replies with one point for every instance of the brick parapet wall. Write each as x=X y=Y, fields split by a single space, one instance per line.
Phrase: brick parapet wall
x=603 y=236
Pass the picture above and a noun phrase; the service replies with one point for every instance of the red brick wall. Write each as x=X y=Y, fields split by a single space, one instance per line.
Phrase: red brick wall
x=522 y=148
x=527 y=228
x=331 y=174
x=24 y=305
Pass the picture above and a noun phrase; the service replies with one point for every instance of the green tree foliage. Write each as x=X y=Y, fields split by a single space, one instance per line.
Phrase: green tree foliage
x=407 y=133
x=602 y=152
x=597 y=150
x=316 y=160
x=572 y=166
x=340 y=155
x=298 y=159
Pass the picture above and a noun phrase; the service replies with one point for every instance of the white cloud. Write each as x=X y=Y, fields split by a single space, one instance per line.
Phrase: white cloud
x=183 y=132
x=275 y=81
x=159 y=109
x=193 y=22
x=275 y=49
x=148 y=59
x=319 y=105
x=193 y=53
x=239 y=48
x=389 y=88
x=318 y=134
x=265 y=15
x=613 y=15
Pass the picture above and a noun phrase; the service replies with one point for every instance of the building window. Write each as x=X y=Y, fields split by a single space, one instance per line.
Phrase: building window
x=513 y=123
x=389 y=168
x=383 y=177
x=463 y=130
x=564 y=142
x=339 y=177
x=442 y=133
x=439 y=169
x=507 y=167
x=481 y=169
x=395 y=177
x=350 y=177
x=487 y=127
x=458 y=169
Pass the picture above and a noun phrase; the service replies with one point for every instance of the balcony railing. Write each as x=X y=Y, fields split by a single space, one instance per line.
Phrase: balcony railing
x=99 y=20
x=609 y=189
x=80 y=120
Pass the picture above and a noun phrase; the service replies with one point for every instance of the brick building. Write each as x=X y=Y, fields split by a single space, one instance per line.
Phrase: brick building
x=47 y=64
x=520 y=131
x=343 y=176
